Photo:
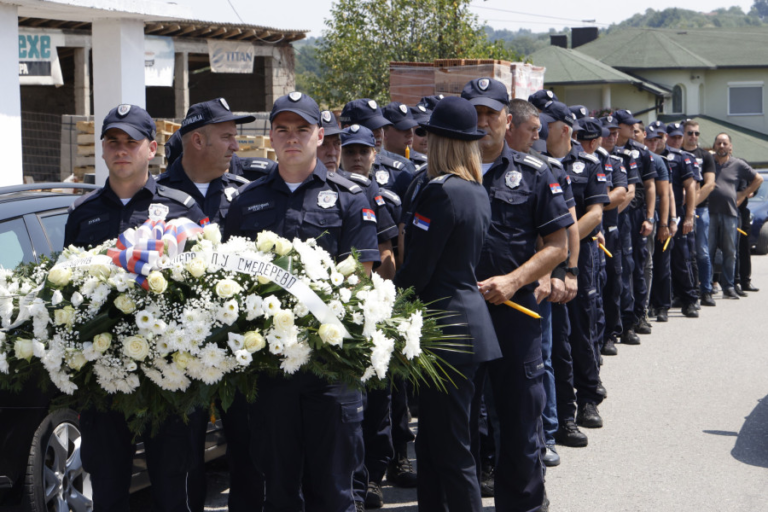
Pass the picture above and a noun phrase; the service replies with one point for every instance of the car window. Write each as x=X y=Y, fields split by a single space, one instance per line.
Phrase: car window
x=15 y=243
x=54 y=228
x=762 y=193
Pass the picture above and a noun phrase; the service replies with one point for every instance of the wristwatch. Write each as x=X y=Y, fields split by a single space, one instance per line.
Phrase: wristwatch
x=651 y=220
x=676 y=220
x=574 y=271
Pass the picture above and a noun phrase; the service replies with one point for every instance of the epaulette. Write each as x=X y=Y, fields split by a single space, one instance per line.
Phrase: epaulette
x=391 y=162
x=554 y=162
x=633 y=142
x=440 y=180
x=84 y=199
x=587 y=156
x=360 y=178
x=235 y=177
x=602 y=151
x=177 y=195
x=616 y=157
x=674 y=150
x=394 y=198
x=420 y=168
x=530 y=161
x=259 y=164
x=164 y=176
x=344 y=182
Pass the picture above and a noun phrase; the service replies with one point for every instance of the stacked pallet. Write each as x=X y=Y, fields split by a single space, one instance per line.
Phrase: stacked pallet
x=255 y=146
x=165 y=129
x=85 y=161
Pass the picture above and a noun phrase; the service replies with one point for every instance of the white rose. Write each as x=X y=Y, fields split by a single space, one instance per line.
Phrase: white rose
x=211 y=232
x=347 y=266
x=157 y=283
x=60 y=276
x=283 y=246
x=102 y=342
x=76 y=360
x=253 y=341
x=337 y=279
x=136 y=347
x=265 y=241
x=226 y=288
x=57 y=298
x=99 y=271
x=345 y=294
x=65 y=315
x=196 y=267
x=76 y=299
x=182 y=359
x=23 y=349
x=283 y=320
x=125 y=304
x=331 y=334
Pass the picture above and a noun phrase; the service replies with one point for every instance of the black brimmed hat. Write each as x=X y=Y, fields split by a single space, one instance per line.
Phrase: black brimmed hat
x=454 y=118
x=211 y=112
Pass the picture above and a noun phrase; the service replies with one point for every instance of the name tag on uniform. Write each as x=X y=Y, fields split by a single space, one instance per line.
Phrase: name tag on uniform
x=382 y=177
x=555 y=188
x=601 y=177
x=327 y=198
x=421 y=222
x=258 y=207
x=158 y=211
x=369 y=215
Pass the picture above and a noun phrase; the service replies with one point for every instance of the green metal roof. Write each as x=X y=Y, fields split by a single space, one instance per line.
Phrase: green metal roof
x=571 y=67
x=641 y=48
x=748 y=144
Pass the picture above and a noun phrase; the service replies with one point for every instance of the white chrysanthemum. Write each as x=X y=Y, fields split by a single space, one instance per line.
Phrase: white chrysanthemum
x=198 y=331
x=121 y=281
x=3 y=363
x=243 y=357
x=357 y=318
x=89 y=352
x=296 y=356
x=189 y=316
x=253 y=306
x=38 y=309
x=337 y=308
x=413 y=328
x=381 y=353
x=211 y=355
x=368 y=373
x=300 y=310
x=353 y=280
x=100 y=293
x=38 y=349
x=211 y=375
x=144 y=320
x=89 y=286
x=345 y=294
x=270 y=306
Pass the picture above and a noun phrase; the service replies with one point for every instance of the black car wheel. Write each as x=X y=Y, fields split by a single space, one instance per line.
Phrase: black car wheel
x=56 y=481
x=761 y=247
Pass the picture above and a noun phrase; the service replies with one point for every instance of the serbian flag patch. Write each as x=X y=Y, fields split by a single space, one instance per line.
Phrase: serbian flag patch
x=555 y=188
x=369 y=215
x=421 y=222
x=205 y=222
x=379 y=200
x=601 y=177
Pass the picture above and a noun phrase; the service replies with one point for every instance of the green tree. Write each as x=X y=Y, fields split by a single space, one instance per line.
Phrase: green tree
x=364 y=36
x=761 y=8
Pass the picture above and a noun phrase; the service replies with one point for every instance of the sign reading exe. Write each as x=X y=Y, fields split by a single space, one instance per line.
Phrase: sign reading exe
x=34 y=47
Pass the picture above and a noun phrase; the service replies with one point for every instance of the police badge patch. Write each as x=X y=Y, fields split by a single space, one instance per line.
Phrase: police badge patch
x=327 y=199
x=513 y=178
x=372 y=104
x=123 y=110
x=354 y=128
x=635 y=154
x=326 y=116
x=422 y=108
x=158 y=211
x=578 y=167
x=483 y=84
x=294 y=96
x=224 y=103
x=382 y=177
x=403 y=109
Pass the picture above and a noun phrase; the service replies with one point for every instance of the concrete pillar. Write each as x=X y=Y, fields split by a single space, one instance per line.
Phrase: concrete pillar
x=279 y=74
x=82 y=82
x=607 y=96
x=10 y=92
x=181 y=83
x=118 y=73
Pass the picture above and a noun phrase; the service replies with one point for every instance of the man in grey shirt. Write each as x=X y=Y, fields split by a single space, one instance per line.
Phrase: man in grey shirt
x=723 y=207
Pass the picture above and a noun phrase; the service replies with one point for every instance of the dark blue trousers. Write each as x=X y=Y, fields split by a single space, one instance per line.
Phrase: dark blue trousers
x=627 y=270
x=612 y=291
x=635 y=274
x=246 y=483
x=562 y=364
x=661 y=290
x=683 y=281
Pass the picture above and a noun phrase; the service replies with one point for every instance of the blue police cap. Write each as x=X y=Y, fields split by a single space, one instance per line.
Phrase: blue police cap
x=652 y=133
x=173 y=147
x=625 y=117
x=211 y=112
x=560 y=112
x=357 y=134
x=454 y=118
x=298 y=103
x=674 y=129
x=132 y=119
x=580 y=111
x=365 y=112
x=431 y=101
x=609 y=122
x=328 y=123
x=541 y=98
x=658 y=126
x=486 y=92
x=591 y=129
x=399 y=115
x=421 y=113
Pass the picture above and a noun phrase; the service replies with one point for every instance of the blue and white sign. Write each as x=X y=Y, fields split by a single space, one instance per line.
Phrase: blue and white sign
x=38 y=58
x=230 y=57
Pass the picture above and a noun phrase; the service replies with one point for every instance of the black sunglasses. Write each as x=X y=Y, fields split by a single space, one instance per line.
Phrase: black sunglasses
x=421 y=132
x=694 y=133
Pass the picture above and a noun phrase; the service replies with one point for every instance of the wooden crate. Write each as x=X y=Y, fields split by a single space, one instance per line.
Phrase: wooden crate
x=79 y=172
x=86 y=149
x=84 y=127
x=86 y=139
x=164 y=125
x=255 y=152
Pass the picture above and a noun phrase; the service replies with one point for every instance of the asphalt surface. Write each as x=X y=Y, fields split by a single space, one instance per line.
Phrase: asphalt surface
x=686 y=422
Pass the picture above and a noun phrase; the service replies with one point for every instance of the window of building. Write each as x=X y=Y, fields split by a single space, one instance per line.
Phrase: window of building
x=745 y=98
x=677 y=99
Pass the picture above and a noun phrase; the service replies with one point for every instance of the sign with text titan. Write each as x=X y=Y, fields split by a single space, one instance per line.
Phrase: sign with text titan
x=230 y=57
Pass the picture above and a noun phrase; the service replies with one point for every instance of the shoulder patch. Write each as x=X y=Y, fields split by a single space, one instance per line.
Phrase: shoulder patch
x=440 y=180
x=344 y=183
x=393 y=198
x=176 y=195
x=554 y=162
x=235 y=177
x=587 y=156
x=530 y=161
x=359 y=178
x=84 y=199
x=602 y=151
x=397 y=165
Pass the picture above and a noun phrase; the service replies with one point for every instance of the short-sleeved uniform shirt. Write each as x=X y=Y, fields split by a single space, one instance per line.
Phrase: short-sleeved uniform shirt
x=727 y=177
x=588 y=179
x=645 y=169
x=526 y=202
x=101 y=215
x=324 y=204
x=616 y=176
x=681 y=167
x=706 y=163
x=221 y=191
x=384 y=203
x=560 y=175
x=391 y=174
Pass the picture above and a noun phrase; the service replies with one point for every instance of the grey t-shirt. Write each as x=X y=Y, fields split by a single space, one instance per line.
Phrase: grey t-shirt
x=727 y=178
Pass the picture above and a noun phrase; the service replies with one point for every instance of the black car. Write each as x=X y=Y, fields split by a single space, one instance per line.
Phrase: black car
x=758 y=209
x=40 y=468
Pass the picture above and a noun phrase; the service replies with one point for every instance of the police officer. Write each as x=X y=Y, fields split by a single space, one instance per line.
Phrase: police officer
x=398 y=136
x=304 y=428
x=126 y=200
x=431 y=101
x=208 y=135
x=540 y=98
x=329 y=152
x=526 y=203
x=418 y=155
x=444 y=238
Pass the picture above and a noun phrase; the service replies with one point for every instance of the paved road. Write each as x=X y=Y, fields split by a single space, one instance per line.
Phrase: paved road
x=686 y=422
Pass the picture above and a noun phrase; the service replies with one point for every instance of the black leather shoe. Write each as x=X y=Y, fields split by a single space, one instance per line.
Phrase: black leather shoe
x=487 y=482
x=374 y=498
x=600 y=389
x=662 y=315
x=359 y=506
x=739 y=291
x=588 y=416
x=551 y=457
x=730 y=293
x=652 y=311
x=629 y=337
x=400 y=472
x=676 y=302
x=568 y=434
x=749 y=287
x=609 y=348
x=690 y=311
x=707 y=300
x=643 y=327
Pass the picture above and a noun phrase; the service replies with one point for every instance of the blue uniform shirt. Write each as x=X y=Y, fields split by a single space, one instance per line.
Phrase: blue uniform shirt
x=251 y=168
x=561 y=176
x=100 y=215
x=645 y=168
x=324 y=202
x=221 y=191
x=588 y=179
x=391 y=174
x=526 y=202
x=386 y=204
x=680 y=169
x=630 y=164
x=406 y=163
x=616 y=176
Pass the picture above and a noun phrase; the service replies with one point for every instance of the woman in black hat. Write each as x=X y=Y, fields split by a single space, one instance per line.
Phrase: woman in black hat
x=443 y=239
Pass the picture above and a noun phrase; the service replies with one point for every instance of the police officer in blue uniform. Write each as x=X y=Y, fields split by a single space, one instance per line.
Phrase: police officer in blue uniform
x=444 y=239
x=208 y=135
x=431 y=101
x=526 y=203
x=304 y=428
x=398 y=137
x=130 y=192
x=418 y=155
x=540 y=98
x=329 y=152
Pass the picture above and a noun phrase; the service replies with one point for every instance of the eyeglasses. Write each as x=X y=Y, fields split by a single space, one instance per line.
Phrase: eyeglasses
x=421 y=132
x=694 y=133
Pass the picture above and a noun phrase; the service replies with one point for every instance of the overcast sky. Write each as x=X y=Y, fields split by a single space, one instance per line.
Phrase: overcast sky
x=538 y=16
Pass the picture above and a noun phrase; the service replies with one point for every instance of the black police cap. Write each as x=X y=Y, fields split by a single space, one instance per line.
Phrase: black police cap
x=486 y=92
x=298 y=103
x=328 y=123
x=365 y=112
x=399 y=115
x=132 y=119
x=357 y=134
x=421 y=113
x=211 y=112
x=591 y=129
x=431 y=101
x=541 y=98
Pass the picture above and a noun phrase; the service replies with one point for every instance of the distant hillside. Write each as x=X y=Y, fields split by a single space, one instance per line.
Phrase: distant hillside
x=682 y=18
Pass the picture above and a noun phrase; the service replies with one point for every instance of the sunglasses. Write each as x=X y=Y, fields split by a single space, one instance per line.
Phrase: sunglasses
x=694 y=133
x=421 y=132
